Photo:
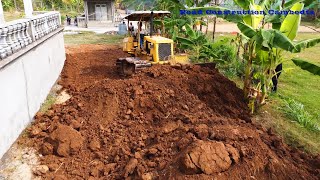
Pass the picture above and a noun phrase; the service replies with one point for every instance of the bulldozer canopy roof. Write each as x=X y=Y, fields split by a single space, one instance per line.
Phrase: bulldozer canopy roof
x=145 y=15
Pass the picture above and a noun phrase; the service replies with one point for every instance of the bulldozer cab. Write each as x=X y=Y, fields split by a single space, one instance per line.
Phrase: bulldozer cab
x=143 y=41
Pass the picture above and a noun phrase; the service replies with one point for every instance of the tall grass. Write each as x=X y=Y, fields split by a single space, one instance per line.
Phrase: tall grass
x=296 y=112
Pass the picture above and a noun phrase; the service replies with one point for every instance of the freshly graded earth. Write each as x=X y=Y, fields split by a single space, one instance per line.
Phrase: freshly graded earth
x=166 y=122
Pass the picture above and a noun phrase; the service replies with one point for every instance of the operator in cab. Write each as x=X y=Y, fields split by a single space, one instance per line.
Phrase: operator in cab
x=142 y=34
x=131 y=28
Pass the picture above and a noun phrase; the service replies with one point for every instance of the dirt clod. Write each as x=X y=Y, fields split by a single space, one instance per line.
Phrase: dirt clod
x=67 y=140
x=130 y=167
x=169 y=127
x=35 y=131
x=75 y=124
x=233 y=153
x=59 y=177
x=202 y=131
x=46 y=149
x=94 y=145
x=209 y=157
x=41 y=169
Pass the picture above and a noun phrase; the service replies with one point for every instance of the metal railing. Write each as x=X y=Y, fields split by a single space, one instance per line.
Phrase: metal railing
x=18 y=34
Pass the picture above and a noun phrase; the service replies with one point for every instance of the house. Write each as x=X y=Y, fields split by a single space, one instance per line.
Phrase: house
x=99 y=10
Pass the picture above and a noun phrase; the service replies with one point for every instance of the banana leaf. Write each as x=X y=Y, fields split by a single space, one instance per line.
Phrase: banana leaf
x=244 y=4
x=189 y=3
x=264 y=40
x=281 y=41
x=177 y=3
x=244 y=39
x=254 y=20
x=291 y=3
x=185 y=41
x=308 y=2
x=312 y=68
x=306 y=44
x=246 y=29
x=203 y=3
x=200 y=39
x=174 y=22
x=291 y=23
x=262 y=57
x=276 y=26
x=190 y=32
x=265 y=4
x=273 y=18
x=174 y=35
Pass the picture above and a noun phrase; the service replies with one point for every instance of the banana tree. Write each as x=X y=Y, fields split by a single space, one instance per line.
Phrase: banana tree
x=263 y=47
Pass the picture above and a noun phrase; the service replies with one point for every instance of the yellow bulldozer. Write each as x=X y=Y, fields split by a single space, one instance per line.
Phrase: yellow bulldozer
x=147 y=48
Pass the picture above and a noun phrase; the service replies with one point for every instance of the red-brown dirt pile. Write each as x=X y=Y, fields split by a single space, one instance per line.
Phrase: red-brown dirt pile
x=183 y=122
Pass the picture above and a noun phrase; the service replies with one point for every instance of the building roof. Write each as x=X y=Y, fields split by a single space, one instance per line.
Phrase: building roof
x=145 y=15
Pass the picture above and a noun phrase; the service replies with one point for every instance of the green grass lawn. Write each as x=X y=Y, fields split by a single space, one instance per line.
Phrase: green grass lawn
x=299 y=84
x=92 y=38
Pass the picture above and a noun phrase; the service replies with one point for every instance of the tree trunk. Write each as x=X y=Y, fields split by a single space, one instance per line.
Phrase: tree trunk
x=207 y=25
x=78 y=6
x=283 y=2
x=214 y=27
x=15 y=5
x=214 y=22
x=201 y=24
x=248 y=74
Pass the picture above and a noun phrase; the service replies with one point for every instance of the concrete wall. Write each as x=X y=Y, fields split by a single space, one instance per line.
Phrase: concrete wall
x=24 y=85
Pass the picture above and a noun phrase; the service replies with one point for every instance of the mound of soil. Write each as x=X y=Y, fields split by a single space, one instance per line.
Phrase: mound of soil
x=181 y=122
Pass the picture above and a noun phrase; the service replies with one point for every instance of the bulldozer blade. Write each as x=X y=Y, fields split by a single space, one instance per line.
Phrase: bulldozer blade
x=128 y=66
x=124 y=68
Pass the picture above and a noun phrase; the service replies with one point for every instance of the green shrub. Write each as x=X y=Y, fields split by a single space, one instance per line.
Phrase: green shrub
x=7 y=5
x=234 y=69
x=226 y=58
x=226 y=53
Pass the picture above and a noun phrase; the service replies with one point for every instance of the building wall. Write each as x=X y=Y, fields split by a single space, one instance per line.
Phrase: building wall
x=25 y=84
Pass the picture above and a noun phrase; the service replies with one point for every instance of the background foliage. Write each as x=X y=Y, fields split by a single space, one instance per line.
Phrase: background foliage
x=42 y=5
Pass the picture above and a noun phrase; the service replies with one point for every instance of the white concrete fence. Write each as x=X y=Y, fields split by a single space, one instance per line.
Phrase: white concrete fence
x=17 y=34
x=32 y=56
